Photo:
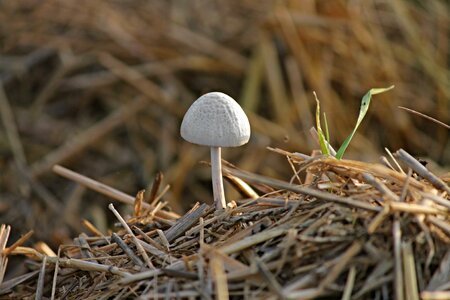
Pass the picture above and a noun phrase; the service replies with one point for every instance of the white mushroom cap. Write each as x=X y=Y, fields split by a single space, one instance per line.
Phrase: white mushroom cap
x=215 y=119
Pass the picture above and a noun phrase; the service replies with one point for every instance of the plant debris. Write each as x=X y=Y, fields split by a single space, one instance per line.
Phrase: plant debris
x=350 y=230
x=101 y=86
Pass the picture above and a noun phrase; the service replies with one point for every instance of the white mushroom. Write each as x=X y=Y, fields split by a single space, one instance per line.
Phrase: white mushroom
x=216 y=120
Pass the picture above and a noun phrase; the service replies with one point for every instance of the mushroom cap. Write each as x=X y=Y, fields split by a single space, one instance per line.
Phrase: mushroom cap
x=217 y=120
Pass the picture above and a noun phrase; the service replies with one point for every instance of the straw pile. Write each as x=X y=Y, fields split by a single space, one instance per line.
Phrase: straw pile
x=100 y=87
x=349 y=230
x=71 y=71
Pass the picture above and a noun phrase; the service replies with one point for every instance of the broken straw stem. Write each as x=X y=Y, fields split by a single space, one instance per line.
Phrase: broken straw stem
x=107 y=190
x=216 y=176
x=422 y=170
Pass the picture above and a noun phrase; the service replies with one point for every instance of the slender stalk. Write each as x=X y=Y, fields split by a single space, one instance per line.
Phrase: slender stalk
x=216 y=175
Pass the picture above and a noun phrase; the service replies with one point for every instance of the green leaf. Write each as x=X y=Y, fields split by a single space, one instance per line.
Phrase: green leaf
x=365 y=102
x=322 y=142
x=327 y=133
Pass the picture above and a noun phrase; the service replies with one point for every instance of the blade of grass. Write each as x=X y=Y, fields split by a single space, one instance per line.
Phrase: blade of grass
x=365 y=102
x=327 y=133
x=322 y=139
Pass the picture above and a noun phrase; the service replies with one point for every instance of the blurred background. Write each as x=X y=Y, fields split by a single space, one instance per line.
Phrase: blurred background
x=101 y=87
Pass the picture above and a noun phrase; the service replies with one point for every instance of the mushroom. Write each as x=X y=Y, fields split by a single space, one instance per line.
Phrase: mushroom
x=216 y=120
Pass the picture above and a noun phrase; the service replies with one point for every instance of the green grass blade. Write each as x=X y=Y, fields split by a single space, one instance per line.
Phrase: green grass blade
x=320 y=134
x=365 y=102
x=327 y=133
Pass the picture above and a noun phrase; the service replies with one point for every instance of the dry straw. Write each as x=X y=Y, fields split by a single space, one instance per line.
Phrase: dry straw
x=100 y=86
x=357 y=230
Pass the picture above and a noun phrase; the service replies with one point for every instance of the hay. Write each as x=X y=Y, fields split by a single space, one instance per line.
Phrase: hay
x=100 y=87
x=72 y=70
x=355 y=230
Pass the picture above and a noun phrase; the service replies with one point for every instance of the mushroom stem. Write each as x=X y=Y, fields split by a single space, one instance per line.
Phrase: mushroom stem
x=216 y=175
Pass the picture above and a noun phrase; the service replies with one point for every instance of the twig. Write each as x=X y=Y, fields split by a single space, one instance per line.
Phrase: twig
x=138 y=203
x=386 y=162
x=394 y=160
x=44 y=248
x=40 y=282
x=436 y=199
x=87 y=265
x=4 y=235
x=253 y=240
x=379 y=281
x=269 y=278
x=151 y=245
x=349 y=284
x=55 y=275
x=220 y=278
x=133 y=237
x=341 y=264
x=86 y=251
x=140 y=276
x=92 y=228
x=242 y=186
x=18 y=243
x=435 y=295
x=106 y=190
x=185 y=222
x=155 y=187
x=163 y=192
x=116 y=239
x=445 y=226
x=405 y=187
x=398 y=270
x=301 y=190
x=151 y=273
x=378 y=219
x=409 y=267
x=425 y=116
x=383 y=189
x=417 y=208
x=10 y=284
x=163 y=239
x=422 y=170
x=441 y=275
